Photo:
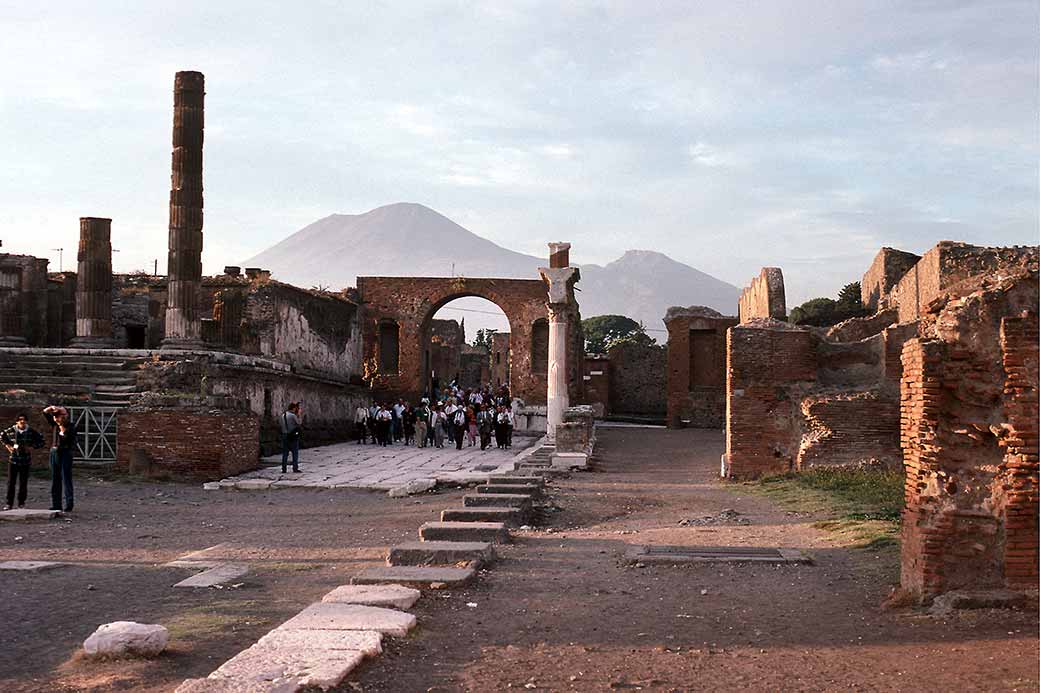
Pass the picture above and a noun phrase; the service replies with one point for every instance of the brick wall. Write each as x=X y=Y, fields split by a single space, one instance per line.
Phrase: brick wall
x=187 y=445
x=696 y=382
x=884 y=273
x=638 y=379
x=769 y=365
x=850 y=428
x=597 y=384
x=764 y=297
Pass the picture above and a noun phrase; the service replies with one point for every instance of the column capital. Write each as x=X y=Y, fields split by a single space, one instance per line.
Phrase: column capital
x=561 y=282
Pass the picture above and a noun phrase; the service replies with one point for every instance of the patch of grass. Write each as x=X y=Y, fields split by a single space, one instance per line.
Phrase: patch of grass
x=204 y=622
x=863 y=505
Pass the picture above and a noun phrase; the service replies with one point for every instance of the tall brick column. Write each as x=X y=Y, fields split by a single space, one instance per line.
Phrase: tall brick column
x=183 y=324
x=94 y=284
x=562 y=308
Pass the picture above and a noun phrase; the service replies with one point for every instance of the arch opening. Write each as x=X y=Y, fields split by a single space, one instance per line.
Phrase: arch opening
x=459 y=344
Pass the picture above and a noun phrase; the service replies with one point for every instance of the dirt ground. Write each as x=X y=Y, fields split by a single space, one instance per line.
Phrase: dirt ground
x=559 y=611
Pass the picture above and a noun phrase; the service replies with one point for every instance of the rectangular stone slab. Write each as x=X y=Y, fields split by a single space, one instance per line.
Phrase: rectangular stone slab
x=498 y=500
x=29 y=566
x=367 y=642
x=210 y=685
x=305 y=667
x=416 y=576
x=26 y=515
x=510 y=479
x=512 y=489
x=395 y=596
x=331 y=616
x=511 y=517
x=441 y=553
x=218 y=575
x=494 y=532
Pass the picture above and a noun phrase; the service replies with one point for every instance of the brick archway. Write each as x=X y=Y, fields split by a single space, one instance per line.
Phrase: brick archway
x=411 y=303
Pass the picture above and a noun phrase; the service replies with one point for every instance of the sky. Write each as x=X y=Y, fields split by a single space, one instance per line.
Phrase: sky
x=728 y=135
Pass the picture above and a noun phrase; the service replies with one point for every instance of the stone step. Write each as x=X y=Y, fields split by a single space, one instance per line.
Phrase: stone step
x=476 y=553
x=519 y=501
x=34 y=387
x=494 y=532
x=28 y=515
x=93 y=379
x=515 y=479
x=511 y=517
x=529 y=490
x=416 y=576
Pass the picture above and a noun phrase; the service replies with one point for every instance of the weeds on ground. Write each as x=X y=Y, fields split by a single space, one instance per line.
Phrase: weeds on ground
x=863 y=505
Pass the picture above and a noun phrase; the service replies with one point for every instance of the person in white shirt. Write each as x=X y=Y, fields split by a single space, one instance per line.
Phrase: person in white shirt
x=383 y=420
x=361 y=424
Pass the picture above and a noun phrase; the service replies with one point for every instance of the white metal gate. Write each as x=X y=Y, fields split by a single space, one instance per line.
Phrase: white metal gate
x=96 y=433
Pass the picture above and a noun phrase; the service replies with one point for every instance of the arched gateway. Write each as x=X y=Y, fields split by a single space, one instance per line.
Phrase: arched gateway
x=396 y=321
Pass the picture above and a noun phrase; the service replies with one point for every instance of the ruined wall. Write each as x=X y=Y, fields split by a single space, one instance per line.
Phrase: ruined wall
x=970 y=443
x=411 y=302
x=850 y=428
x=23 y=300
x=597 y=383
x=888 y=267
x=473 y=367
x=61 y=309
x=499 y=359
x=313 y=333
x=445 y=350
x=696 y=367
x=764 y=297
x=187 y=442
x=638 y=379
x=770 y=365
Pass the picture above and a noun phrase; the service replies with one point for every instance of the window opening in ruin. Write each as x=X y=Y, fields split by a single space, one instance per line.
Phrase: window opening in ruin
x=389 y=348
x=703 y=371
x=459 y=342
x=268 y=403
x=540 y=346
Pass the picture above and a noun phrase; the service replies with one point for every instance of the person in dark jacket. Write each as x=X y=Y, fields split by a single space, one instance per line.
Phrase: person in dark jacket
x=291 y=431
x=18 y=440
x=63 y=447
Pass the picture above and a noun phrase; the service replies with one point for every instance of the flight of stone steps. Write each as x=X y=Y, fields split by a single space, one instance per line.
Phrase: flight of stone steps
x=101 y=379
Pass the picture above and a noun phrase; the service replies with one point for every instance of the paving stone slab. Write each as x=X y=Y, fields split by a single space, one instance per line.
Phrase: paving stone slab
x=441 y=553
x=27 y=515
x=217 y=575
x=396 y=596
x=416 y=576
x=332 y=616
x=511 y=517
x=29 y=566
x=498 y=500
x=512 y=489
x=253 y=485
x=304 y=667
x=367 y=642
x=235 y=686
x=494 y=532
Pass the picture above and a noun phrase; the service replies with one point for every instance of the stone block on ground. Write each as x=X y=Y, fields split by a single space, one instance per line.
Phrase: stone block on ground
x=977 y=599
x=494 y=532
x=511 y=517
x=570 y=460
x=217 y=575
x=210 y=685
x=29 y=566
x=519 y=501
x=122 y=638
x=27 y=515
x=367 y=642
x=253 y=485
x=264 y=665
x=332 y=616
x=416 y=576
x=441 y=553
x=396 y=596
x=412 y=487
x=530 y=490
x=515 y=479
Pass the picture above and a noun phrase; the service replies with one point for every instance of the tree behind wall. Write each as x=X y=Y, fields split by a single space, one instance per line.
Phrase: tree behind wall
x=824 y=312
x=605 y=331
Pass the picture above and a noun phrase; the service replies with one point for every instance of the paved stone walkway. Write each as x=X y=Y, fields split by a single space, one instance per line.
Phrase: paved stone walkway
x=349 y=465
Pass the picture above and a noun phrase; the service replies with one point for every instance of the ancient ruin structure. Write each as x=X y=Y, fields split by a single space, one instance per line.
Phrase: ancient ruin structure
x=499 y=359
x=23 y=300
x=183 y=324
x=764 y=297
x=94 y=284
x=696 y=392
x=888 y=267
x=564 y=322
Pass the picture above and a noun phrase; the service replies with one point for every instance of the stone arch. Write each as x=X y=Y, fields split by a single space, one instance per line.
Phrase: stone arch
x=411 y=302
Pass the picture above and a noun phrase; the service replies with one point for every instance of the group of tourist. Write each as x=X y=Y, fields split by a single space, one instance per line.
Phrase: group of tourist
x=460 y=416
x=21 y=439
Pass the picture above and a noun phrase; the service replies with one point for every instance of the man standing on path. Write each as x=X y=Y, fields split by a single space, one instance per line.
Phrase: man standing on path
x=458 y=428
x=361 y=424
x=63 y=446
x=18 y=439
x=291 y=430
x=398 y=422
x=422 y=420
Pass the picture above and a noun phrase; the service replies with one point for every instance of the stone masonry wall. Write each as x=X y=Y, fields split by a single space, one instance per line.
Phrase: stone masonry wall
x=884 y=273
x=768 y=364
x=696 y=370
x=638 y=379
x=187 y=444
x=970 y=444
x=597 y=384
x=764 y=297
